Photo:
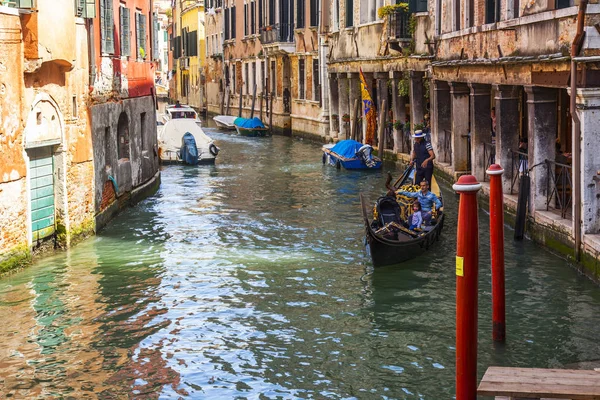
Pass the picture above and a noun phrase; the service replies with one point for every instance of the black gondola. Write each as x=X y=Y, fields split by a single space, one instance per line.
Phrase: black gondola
x=388 y=239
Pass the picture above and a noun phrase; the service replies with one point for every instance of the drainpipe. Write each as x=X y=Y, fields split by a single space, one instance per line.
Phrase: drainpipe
x=575 y=48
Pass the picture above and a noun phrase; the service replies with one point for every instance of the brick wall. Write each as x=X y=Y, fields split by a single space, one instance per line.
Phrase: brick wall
x=108 y=195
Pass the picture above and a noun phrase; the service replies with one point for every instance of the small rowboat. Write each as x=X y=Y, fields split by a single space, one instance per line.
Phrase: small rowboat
x=250 y=127
x=225 y=122
x=350 y=154
x=388 y=239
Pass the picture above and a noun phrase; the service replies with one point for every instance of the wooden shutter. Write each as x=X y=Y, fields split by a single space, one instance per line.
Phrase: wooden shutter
x=253 y=17
x=155 y=29
x=125 y=26
x=143 y=33
x=102 y=27
x=107 y=26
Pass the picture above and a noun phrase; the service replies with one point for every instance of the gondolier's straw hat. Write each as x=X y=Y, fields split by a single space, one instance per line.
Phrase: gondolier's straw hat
x=418 y=134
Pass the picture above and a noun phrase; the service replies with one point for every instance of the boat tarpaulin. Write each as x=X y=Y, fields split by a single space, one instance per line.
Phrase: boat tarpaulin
x=347 y=148
x=252 y=123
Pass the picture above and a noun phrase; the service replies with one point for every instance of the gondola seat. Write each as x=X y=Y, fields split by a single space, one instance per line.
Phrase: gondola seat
x=388 y=210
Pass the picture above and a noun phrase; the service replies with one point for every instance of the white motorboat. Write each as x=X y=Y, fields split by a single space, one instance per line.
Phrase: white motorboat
x=183 y=141
x=181 y=111
x=225 y=122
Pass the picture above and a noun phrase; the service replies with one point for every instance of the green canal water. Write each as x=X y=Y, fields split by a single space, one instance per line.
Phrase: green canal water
x=249 y=280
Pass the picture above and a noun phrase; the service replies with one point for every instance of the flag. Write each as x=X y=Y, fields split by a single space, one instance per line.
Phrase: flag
x=370 y=111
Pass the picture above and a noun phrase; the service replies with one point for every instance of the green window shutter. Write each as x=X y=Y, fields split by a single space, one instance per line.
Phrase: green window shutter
x=90 y=9
x=110 y=27
x=137 y=34
x=125 y=31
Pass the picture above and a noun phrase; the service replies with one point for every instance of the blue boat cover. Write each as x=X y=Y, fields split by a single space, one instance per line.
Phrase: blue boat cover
x=347 y=148
x=249 y=123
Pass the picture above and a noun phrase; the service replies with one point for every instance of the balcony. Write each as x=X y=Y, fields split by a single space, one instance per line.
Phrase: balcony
x=278 y=38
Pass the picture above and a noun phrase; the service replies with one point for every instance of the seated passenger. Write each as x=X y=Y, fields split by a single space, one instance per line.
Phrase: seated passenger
x=427 y=200
x=415 y=220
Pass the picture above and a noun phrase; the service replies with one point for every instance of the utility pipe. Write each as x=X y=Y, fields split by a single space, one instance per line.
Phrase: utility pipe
x=575 y=48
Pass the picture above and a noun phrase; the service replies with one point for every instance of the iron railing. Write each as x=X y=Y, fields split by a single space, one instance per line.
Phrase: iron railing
x=519 y=166
x=489 y=157
x=559 y=189
x=277 y=33
x=398 y=25
x=445 y=145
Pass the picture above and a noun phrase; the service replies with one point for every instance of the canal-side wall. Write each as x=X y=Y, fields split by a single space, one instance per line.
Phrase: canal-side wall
x=117 y=175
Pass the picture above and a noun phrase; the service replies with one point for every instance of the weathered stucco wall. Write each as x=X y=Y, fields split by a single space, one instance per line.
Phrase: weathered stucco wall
x=142 y=164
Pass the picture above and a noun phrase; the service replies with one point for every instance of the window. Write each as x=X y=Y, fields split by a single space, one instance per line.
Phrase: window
x=123 y=136
x=260 y=14
x=253 y=17
x=83 y=8
x=301 y=79
x=143 y=130
x=106 y=27
x=124 y=17
x=417 y=6
x=314 y=12
x=349 y=13
x=177 y=47
x=300 y=8
x=233 y=24
x=226 y=22
x=75 y=113
x=336 y=15
x=140 y=34
x=262 y=76
x=271 y=12
x=155 y=44
x=273 y=77
x=245 y=19
x=316 y=80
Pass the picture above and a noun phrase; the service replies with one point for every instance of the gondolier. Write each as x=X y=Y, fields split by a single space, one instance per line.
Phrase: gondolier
x=422 y=157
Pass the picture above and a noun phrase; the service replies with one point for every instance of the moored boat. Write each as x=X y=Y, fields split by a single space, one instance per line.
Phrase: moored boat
x=250 y=127
x=225 y=122
x=180 y=111
x=350 y=154
x=183 y=141
x=388 y=239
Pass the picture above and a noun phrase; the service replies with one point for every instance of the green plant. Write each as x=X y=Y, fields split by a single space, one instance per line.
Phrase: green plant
x=334 y=116
x=398 y=125
x=388 y=10
x=412 y=25
x=426 y=88
x=404 y=85
x=419 y=126
x=142 y=52
x=346 y=118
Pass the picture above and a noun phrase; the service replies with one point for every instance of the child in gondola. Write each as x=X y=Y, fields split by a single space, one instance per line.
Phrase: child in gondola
x=416 y=219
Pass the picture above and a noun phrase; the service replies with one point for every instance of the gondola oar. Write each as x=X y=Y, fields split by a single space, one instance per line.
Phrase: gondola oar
x=403 y=177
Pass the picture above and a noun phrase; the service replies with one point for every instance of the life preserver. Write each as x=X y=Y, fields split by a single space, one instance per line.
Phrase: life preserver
x=214 y=150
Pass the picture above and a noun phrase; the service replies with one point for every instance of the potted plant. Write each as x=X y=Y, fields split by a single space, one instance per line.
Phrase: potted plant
x=398 y=125
x=346 y=118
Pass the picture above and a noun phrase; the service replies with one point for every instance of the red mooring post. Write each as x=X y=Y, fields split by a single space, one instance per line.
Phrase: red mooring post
x=467 y=260
x=497 y=249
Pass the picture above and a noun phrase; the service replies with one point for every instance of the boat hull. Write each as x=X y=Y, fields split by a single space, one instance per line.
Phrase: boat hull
x=224 y=122
x=334 y=159
x=252 y=132
x=384 y=252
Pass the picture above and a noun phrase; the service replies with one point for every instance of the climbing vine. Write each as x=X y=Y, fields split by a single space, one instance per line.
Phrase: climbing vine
x=388 y=10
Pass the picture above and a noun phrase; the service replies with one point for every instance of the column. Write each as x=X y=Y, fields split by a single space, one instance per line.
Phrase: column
x=441 y=121
x=334 y=106
x=417 y=100
x=588 y=107
x=398 y=109
x=507 y=130
x=354 y=91
x=343 y=99
x=460 y=125
x=382 y=88
x=542 y=124
x=481 y=128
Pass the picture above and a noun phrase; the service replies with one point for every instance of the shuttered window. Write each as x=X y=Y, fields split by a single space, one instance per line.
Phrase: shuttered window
x=125 y=28
x=301 y=79
x=253 y=18
x=140 y=34
x=107 y=27
x=316 y=80
x=226 y=21
x=233 y=23
x=300 y=7
x=85 y=8
x=260 y=14
x=176 y=47
x=349 y=15
x=245 y=19
x=155 y=29
x=191 y=44
x=314 y=12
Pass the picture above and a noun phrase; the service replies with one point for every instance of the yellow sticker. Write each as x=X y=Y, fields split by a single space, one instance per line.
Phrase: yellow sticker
x=459 y=266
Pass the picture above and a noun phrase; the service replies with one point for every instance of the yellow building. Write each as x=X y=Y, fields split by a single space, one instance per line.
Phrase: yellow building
x=189 y=52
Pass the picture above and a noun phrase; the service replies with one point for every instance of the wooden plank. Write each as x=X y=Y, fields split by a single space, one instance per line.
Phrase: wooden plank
x=537 y=383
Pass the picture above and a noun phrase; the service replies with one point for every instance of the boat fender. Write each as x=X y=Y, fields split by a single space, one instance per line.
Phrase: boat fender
x=214 y=150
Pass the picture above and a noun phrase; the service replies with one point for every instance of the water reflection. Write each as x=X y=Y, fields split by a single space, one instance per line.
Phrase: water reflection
x=248 y=279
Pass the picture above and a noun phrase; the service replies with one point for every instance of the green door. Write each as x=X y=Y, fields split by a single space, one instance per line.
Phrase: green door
x=41 y=169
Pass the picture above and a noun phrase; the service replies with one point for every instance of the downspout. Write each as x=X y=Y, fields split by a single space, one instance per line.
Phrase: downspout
x=575 y=48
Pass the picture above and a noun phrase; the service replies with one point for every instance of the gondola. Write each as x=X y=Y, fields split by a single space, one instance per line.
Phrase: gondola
x=388 y=239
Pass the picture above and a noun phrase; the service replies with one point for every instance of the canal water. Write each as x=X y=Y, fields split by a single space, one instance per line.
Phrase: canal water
x=249 y=280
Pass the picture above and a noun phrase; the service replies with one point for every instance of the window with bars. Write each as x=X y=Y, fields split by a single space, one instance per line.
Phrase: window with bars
x=314 y=12
x=300 y=8
x=106 y=27
x=316 y=80
x=301 y=79
x=140 y=34
x=125 y=30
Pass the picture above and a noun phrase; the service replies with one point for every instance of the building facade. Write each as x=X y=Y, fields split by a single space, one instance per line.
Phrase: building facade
x=47 y=170
x=189 y=52
x=214 y=72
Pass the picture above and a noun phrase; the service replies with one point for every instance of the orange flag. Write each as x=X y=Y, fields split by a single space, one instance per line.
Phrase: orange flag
x=369 y=109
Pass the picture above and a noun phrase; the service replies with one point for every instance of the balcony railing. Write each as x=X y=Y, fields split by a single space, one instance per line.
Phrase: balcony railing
x=398 y=25
x=519 y=166
x=278 y=33
x=559 y=190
